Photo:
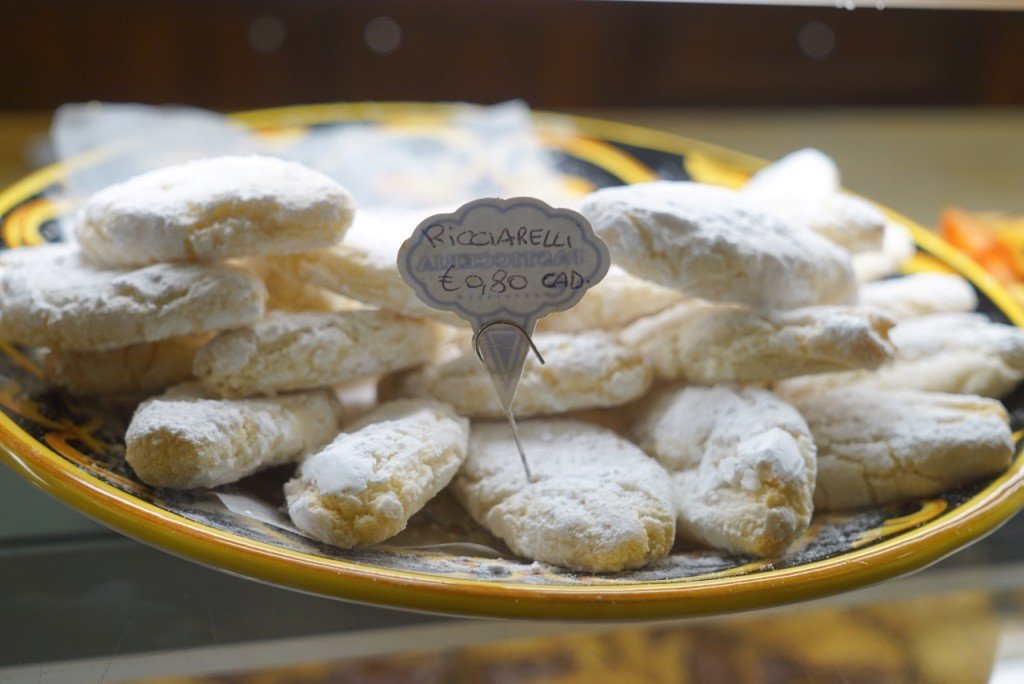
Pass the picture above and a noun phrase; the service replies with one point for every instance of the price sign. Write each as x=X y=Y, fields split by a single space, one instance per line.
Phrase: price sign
x=502 y=265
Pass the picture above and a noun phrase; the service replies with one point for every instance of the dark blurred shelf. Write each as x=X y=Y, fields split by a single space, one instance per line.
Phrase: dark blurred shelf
x=232 y=54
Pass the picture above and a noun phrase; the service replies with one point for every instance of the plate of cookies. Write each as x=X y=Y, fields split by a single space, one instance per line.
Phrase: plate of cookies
x=780 y=390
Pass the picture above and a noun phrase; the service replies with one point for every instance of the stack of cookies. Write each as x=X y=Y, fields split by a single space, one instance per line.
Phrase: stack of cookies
x=740 y=367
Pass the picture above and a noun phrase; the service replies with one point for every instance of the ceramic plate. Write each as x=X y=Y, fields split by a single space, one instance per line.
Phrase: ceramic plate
x=444 y=562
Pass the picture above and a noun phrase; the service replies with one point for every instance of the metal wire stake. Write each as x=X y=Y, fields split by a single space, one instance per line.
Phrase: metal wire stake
x=519 y=444
x=508 y=409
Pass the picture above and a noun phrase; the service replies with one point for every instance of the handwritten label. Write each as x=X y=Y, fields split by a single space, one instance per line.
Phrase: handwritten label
x=513 y=260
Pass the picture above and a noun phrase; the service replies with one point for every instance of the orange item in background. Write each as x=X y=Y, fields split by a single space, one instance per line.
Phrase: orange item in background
x=996 y=241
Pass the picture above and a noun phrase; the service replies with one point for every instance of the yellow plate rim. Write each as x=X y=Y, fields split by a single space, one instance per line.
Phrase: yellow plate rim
x=347 y=580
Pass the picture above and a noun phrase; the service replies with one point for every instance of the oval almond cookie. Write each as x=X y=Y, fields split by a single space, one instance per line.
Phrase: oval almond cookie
x=955 y=353
x=742 y=464
x=50 y=297
x=363 y=266
x=363 y=487
x=807 y=172
x=211 y=209
x=711 y=242
x=301 y=350
x=802 y=188
x=879 y=446
x=619 y=299
x=707 y=344
x=185 y=439
x=144 y=368
x=580 y=371
x=919 y=294
x=597 y=502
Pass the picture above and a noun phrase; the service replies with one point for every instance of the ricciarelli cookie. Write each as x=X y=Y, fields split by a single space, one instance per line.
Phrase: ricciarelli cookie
x=707 y=343
x=742 y=463
x=211 y=209
x=897 y=247
x=296 y=350
x=880 y=446
x=49 y=297
x=804 y=173
x=803 y=189
x=143 y=368
x=287 y=293
x=616 y=301
x=183 y=439
x=713 y=243
x=959 y=353
x=919 y=294
x=363 y=265
x=363 y=487
x=597 y=502
x=581 y=371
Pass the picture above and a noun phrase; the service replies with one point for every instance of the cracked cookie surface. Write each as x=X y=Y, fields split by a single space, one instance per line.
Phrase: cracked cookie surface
x=300 y=350
x=363 y=487
x=363 y=266
x=185 y=439
x=712 y=243
x=958 y=353
x=875 y=447
x=742 y=463
x=50 y=297
x=597 y=502
x=706 y=343
x=212 y=209
x=581 y=371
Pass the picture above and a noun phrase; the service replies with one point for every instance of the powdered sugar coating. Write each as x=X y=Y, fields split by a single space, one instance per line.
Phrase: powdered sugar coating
x=585 y=370
x=713 y=243
x=897 y=246
x=742 y=463
x=597 y=502
x=802 y=189
x=880 y=446
x=363 y=266
x=804 y=173
x=214 y=208
x=920 y=294
x=926 y=335
x=50 y=297
x=183 y=439
x=285 y=292
x=364 y=486
x=300 y=350
x=707 y=343
x=960 y=353
x=851 y=222
x=619 y=299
